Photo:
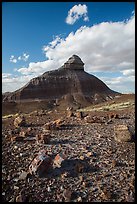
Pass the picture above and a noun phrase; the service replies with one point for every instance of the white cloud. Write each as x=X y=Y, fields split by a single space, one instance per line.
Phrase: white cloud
x=11 y=83
x=52 y=44
x=19 y=58
x=76 y=12
x=13 y=59
x=24 y=57
x=123 y=84
x=6 y=75
x=105 y=47
x=38 y=68
x=129 y=72
x=102 y=47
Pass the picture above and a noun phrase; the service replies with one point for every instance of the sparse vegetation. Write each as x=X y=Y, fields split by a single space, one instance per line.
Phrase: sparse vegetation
x=9 y=116
x=109 y=107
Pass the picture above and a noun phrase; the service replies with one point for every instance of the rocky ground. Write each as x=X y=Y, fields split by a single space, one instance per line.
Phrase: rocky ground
x=108 y=166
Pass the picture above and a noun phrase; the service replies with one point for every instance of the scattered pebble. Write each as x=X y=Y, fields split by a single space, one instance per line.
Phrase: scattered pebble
x=94 y=159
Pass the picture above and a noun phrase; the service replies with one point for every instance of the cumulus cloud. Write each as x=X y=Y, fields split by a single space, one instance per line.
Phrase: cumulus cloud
x=76 y=12
x=11 y=83
x=52 y=44
x=129 y=72
x=104 y=47
x=36 y=68
x=23 y=57
x=108 y=46
x=13 y=59
x=6 y=75
x=123 y=84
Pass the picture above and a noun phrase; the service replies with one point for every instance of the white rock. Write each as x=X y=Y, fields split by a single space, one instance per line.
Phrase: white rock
x=23 y=175
x=49 y=190
x=16 y=187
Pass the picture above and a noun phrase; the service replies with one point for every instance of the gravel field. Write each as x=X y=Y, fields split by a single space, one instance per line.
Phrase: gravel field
x=108 y=167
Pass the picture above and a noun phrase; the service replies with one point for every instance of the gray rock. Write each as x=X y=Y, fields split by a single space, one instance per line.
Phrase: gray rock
x=23 y=175
x=122 y=133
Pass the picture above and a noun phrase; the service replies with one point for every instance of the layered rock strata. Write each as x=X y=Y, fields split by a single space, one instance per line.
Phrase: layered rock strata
x=70 y=82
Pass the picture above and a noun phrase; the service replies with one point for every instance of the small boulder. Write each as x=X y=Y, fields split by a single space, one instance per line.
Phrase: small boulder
x=43 y=138
x=17 y=138
x=79 y=115
x=22 y=134
x=94 y=119
x=50 y=126
x=69 y=114
x=54 y=125
x=41 y=164
x=113 y=115
x=59 y=158
x=21 y=197
x=47 y=126
x=30 y=132
x=67 y=195
x=59 y=123
x=122 y=133
x=19 y=121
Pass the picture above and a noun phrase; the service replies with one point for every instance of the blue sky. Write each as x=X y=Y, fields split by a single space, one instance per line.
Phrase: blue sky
x=36 y=36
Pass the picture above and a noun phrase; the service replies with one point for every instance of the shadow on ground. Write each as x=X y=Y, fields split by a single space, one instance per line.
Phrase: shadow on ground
x=72 y=166
x=61 y=141
x=68 y=126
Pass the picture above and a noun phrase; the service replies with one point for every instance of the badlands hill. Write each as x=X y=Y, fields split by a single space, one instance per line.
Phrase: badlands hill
x=69 y=85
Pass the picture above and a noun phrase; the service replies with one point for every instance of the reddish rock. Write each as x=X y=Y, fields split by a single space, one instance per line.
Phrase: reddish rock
x=79 y=115
x=69 y=114
x=59 y=158
x=94 y=119
x=17 y=138
x=22 y=134
x=43 y=138
x=41 y=163
x=59 y=123
x=20 y=121
x=112 y=115
x=67 y=195
x=54 y=125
